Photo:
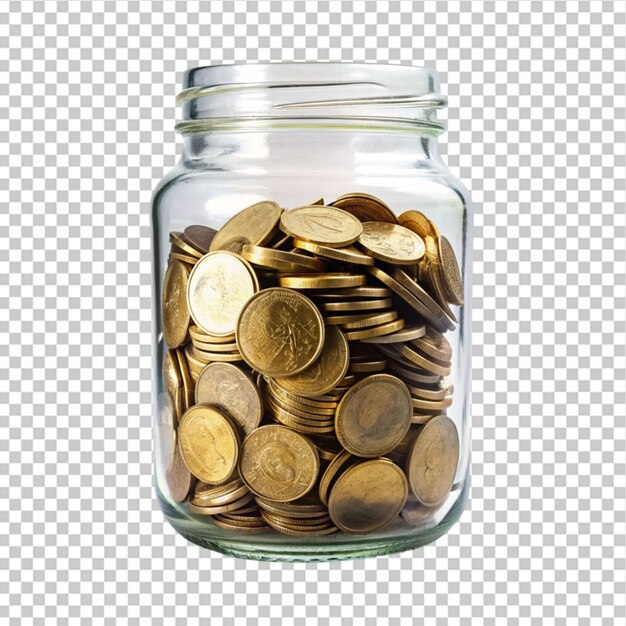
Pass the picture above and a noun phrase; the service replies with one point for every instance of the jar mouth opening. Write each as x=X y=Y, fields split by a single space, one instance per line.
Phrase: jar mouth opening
x=283 y=91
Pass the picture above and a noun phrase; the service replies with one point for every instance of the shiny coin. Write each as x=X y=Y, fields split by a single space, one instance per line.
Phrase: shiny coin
x=435 y=367
x=195 y=365
x=357 y=305
x=374 y=331
x=174 y=304
x=354 y=292
x=365 y=320
x=280 y=332
x=434 y=344
x=216 y=347
x=368 y=496
x=391 y=243
x=187 y=381
x=184 y=258
x=450 y=272
x=432 y=461
x=232 y=391
x=207 y=496
x=348 y=254
x=278 y=463
x=209 y=444
x=374 y=415
x=198 y=335
x=325 y=372
x=253 y=225
x=281 y=261
x=221 y=357
x=324 y=225
x=407 y=333
x=365 y=207
x=199 y=237
x=221 y=508
x=219 y=286
x=322 y=281
x=173 y=383
x=181 y=242
x=430 y=275
x=417 y=222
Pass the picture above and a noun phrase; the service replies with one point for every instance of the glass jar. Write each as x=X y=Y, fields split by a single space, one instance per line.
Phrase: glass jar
x=259 y=454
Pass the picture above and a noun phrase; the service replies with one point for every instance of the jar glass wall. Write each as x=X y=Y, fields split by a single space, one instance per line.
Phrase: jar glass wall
x=311 y=360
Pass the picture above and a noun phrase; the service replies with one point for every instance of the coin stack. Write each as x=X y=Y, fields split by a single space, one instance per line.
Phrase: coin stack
x=307 y=368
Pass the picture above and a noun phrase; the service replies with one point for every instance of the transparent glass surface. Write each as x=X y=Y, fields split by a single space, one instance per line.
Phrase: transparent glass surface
x=292 y=133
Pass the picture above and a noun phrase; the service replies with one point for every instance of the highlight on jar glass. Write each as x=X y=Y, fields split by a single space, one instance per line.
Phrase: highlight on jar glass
x=311 y=357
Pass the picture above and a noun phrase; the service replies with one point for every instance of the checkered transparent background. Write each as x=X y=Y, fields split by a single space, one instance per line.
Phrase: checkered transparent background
x=536 y=129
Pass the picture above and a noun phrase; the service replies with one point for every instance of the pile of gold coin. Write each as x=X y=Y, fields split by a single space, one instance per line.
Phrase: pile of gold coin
x=307 y=368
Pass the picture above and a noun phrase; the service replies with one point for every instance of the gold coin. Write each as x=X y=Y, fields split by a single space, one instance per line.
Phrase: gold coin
x=415 y=513
x=434 y=344
x=441 y=391
x=232 y=391
x=325 y=372
x=315 y=403
x=322 y=281
x=321 y=224
x=278 y=463
x=417 y=222
x=221 y=508
x=179 y=240
x=347 y=254
x=215 y=347
x=295 y=524
x=198 y=335
x=209 y=444
x=281 y=261
x=391 y=243
x=280 y=332
x=368 y=367
x=300 y=532
x=366 y=320
x=408 y=297
x=355 y=292
x=219 y=286
x=341 y=461
x=174 y=304
x=250 y=529
x=220 y=357
x=368 y=496
x=173 y=383
x=374 y=415
x=408 y=333
x=430 y=275
x=374 y=331
x=450 y=272
x=253 y=225
x=238 y=524
x=432 y=461
x=235 y=492
x=199 y=237
x=187 y=381
x=431 y=405
x=365 y=208
x=195 y=365
x=423 y=418
x=310 y=504
x=412 y=375
x=357 y=305
x=178 y=479
x=440 y=368
x=184 y=258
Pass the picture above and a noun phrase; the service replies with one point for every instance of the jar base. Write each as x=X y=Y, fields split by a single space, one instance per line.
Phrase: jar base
x=272 y=546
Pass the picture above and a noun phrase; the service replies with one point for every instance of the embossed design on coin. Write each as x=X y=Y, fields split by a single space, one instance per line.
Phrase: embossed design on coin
x=253 y=225
x=391 y=243
x=367 y=496
x=278 y=463
x=365 y=207
x=325 y=225
x=325 y=373
x=209 y=444
x=174 y=304
x=280 y=332
x=231 y=390
x=219 y=285
x=432 y=460
x=374 y=415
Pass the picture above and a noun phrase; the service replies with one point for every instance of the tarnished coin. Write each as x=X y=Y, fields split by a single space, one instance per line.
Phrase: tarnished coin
x=374 y=415
x=432 y=461
x=434 y=344
x=278 y=463
x=232 y=391
x=325 y=372
x=450 y=272
x=179 y=240
x=174 y=304
x=186 y=379
x=365 y=208
x=416 y=513
x=348 y=254
x=209 y=444
x=178 y=478
x=253 y=225
x=173 y=383
x=391 y=243
x=219 y=285
x=325 y=225
x=200 y=237
x=368 y=496
x=280 y=332
x=430 y=365
x=417 y=222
